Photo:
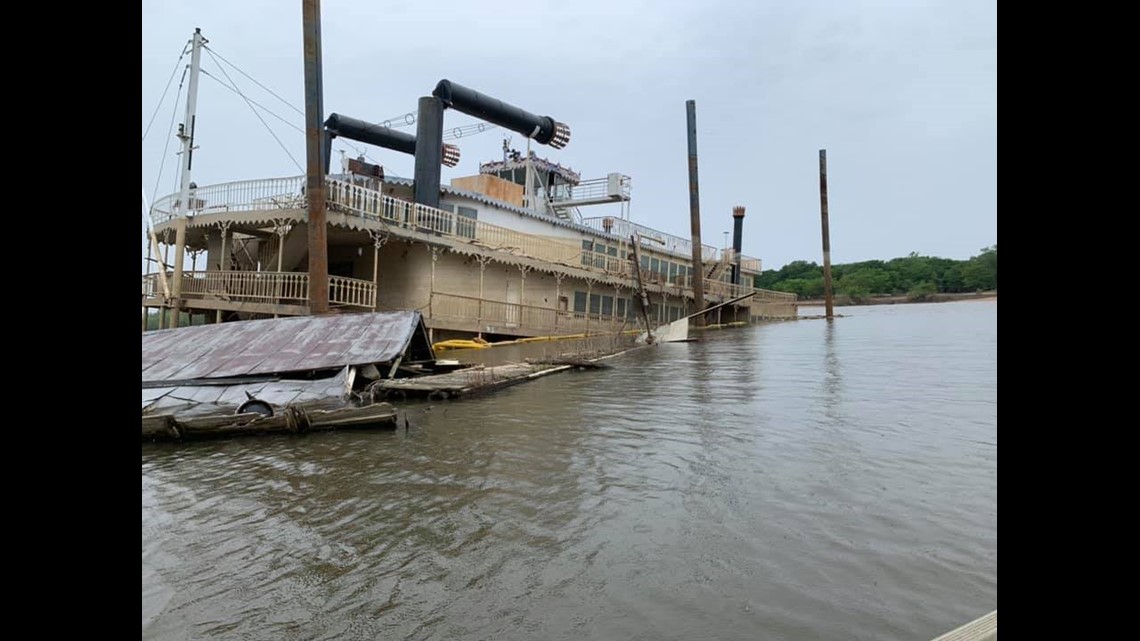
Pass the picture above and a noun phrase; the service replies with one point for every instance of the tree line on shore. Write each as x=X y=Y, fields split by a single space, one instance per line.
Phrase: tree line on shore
x=914 y=276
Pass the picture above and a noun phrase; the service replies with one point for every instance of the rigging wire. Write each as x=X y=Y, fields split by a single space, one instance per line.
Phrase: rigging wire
x=472 y=129
x=160 y=100
x=408 y=119
x=254 y=80
x=166 y=148
x=254 y=110
x=257 y=104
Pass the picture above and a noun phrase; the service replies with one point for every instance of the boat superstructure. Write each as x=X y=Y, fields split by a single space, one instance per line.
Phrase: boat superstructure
x=509 y=251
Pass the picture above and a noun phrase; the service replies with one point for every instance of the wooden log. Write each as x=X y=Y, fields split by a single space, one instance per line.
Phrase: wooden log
x=573 y=362
x=159 y=426
x=293 y=419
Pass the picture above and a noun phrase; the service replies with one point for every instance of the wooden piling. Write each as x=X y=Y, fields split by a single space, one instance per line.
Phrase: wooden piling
x=826 y=232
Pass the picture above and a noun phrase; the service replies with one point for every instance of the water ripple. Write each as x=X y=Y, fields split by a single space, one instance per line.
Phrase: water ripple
x=790 y=481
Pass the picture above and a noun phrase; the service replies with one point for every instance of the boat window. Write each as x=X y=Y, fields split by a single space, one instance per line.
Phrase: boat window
x=579 y=301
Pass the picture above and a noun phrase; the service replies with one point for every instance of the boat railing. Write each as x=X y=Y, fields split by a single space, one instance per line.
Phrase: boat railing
x=242 y=195
x=650 y=238
x=372 y=205
x=282 y=288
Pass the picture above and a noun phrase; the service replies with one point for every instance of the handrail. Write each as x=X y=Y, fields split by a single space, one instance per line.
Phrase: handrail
x=283 y=288
x=241 y=195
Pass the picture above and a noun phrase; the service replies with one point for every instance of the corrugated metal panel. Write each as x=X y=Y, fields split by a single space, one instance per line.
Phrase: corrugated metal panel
x=278 y=393
x=275 y=346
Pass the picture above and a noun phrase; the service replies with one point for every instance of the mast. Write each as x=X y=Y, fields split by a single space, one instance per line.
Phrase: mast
x=183 y=206
x=186 y=129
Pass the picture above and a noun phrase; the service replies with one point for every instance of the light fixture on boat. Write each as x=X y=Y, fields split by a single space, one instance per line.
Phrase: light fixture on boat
x=561 y=135
x=450 y=155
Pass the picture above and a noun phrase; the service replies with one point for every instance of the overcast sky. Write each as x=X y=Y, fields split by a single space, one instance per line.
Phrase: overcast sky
x=901 y=93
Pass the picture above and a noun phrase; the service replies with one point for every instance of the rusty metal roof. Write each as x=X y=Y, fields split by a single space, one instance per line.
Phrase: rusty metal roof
x=276 y=346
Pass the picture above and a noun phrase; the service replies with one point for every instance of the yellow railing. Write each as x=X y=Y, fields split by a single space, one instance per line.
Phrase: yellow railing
x=282 y=288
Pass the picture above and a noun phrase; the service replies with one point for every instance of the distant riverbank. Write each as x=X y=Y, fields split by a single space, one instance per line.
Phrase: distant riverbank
x=843 y=301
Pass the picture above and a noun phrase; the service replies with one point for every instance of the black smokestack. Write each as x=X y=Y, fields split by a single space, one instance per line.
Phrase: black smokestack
x=737 y=239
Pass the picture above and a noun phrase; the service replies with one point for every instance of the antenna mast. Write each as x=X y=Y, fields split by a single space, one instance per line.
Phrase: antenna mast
x=186 y=129
x=183 y=206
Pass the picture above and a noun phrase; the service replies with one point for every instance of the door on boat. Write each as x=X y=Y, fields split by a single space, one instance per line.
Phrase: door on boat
x=513 y=307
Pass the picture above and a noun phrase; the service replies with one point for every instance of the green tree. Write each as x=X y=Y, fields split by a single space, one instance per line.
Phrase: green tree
x=913 y=274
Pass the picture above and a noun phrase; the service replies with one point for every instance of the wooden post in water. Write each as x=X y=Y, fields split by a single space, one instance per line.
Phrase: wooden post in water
x=826 y=233
x=695 y=211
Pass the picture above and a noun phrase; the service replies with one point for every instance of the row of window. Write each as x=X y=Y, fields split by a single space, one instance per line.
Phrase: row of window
x=652 y=268
x=620 y=307
x=594 y=253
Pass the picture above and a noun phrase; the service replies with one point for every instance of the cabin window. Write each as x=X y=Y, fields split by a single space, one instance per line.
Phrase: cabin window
x=644 y=263
x=612 y=251
x=620 y=307
x=465 y=221
x=579 y=301
x=587 y=253
x=595 y=303
x=607 y=305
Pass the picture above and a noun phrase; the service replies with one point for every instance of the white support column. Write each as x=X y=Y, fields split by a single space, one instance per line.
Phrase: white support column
x=435 y=252
x=483 y=260
x=378 y=240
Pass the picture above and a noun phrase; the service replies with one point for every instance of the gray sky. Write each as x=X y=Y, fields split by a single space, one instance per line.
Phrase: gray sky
x=901 y=93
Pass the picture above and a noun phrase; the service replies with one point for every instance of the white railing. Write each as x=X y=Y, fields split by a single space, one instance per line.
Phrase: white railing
x=371 y=204
x=617 y=188
x=282 y=288
x=352 y=292
x=650 y=238
x=749 y=264
x=243 y=195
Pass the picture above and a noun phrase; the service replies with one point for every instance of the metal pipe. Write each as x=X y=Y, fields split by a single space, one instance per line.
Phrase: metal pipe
x=315 y=163
x=544 y=129
x=826 y=232
x=695 y=212
x=381 y=136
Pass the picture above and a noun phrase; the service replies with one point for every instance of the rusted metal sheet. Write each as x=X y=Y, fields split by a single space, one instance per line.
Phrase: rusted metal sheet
x=276 y=346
